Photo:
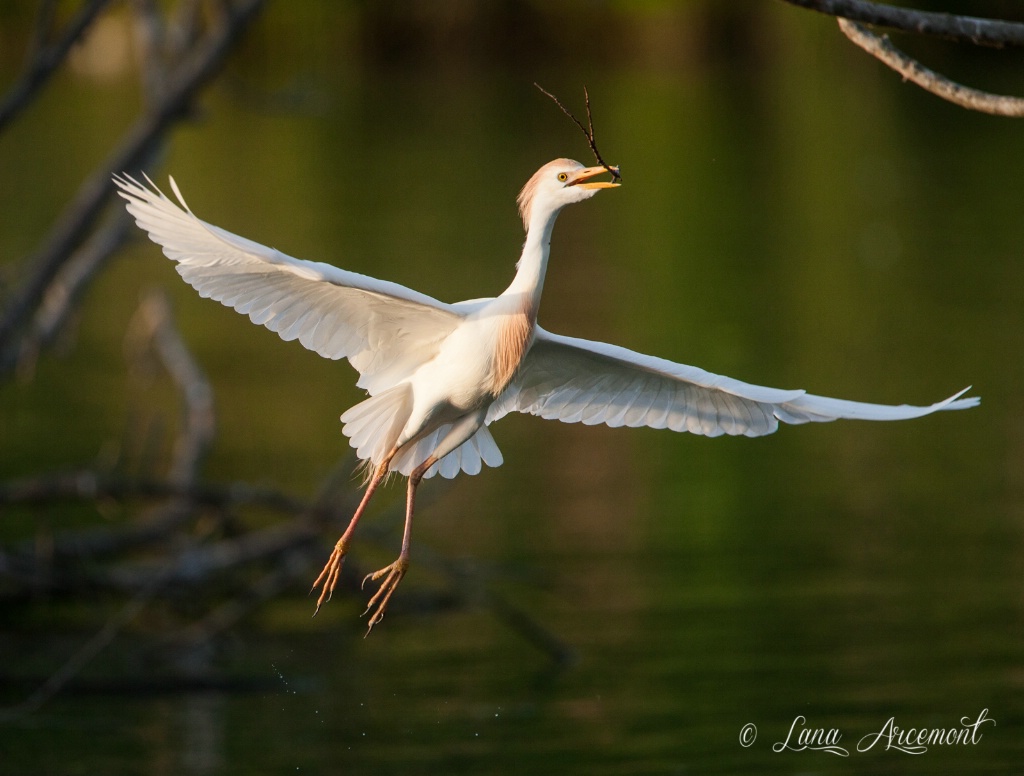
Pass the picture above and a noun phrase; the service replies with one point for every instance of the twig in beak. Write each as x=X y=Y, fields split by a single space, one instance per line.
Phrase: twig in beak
x=588 y=131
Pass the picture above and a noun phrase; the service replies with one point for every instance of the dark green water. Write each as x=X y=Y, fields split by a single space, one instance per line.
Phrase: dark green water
x=795 y=217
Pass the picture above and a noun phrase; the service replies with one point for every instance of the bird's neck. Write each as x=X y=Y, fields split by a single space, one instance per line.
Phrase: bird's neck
x=533 y=263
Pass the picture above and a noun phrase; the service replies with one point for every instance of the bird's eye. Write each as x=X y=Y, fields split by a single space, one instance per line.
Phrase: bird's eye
x=563 y=177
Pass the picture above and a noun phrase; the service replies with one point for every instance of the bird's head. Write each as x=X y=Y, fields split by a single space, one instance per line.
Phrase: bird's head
x=557 y=184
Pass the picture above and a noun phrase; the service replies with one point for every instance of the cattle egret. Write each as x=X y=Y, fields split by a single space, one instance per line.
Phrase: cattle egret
x=439 y=374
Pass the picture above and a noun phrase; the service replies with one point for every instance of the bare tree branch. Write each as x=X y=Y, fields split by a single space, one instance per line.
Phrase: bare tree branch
x=84 y=654
x=291 y=566
x=963 y=29
x=151 y=38
x=139 y=141
x=199 y=563
x=89 y=485
x=41 y=30
x=882 y=49
x=47 y=58
x=97 y=543
x=66 y=290
x=156 y=326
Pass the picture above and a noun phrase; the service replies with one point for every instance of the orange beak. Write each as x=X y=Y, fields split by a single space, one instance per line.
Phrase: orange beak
x=582 y=178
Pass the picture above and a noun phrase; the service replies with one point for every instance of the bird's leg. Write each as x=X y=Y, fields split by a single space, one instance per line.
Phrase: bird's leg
x=332 y=570
x=396 y=570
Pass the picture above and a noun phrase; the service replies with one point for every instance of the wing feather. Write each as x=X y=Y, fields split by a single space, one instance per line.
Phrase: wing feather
x=575 y=380
x=385 y=330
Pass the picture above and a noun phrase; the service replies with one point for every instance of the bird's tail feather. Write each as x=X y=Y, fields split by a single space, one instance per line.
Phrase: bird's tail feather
x=373 y=426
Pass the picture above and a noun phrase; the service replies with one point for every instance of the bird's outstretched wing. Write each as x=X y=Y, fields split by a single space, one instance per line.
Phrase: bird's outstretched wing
x=385 y=330
x=579 y=381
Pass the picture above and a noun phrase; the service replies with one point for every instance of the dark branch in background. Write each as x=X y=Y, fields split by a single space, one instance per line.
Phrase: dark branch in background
x=91 y=486
x=60 y=678
x=588 y=131
x=45 y=59
x=882 y=49
x=139 y=142
x=76 y=558
x=155 y=326
x=63 y=295
x=41 y=31
x=194 y=554
x=962 y=29
x=286 y=550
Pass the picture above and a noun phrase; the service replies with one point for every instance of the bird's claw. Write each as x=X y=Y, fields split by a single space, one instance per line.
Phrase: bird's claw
x=380 y=599
x=329 y=575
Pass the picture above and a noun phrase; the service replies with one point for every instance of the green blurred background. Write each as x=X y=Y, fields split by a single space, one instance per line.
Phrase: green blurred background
x=792 y=215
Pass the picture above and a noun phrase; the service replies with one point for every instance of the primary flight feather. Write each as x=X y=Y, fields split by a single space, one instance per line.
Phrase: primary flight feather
x=438 y=374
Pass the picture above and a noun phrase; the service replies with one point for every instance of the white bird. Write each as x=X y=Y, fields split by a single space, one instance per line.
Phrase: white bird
x=439 y=374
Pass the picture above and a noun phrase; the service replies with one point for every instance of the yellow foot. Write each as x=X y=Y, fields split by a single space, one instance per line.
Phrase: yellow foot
x=329 y=576
x=380 y=599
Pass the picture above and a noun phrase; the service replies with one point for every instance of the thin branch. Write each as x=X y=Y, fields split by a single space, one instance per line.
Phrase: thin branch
x=882 y=49
x=46 y=59
x=28 y=573
x=66 y=291
x=197 y=564
x=199 y=426
x=532 y=630
x=963 y=29
x=41 y=31
x=139 y=141
x=292 y=566
x=291 y=545
x=151 y=39
x=84 y=654
x=88 y=485
x=587 y=131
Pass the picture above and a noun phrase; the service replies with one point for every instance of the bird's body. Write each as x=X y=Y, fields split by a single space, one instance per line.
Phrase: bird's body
x=439 y=374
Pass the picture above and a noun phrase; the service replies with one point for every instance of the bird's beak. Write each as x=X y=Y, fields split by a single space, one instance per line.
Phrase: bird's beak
x=582 y=178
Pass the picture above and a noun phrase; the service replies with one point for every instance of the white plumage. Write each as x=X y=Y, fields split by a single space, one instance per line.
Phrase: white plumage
x=579 y=381
x=438 y=374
